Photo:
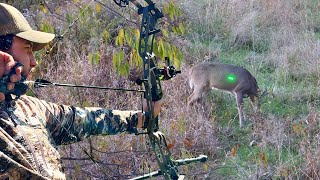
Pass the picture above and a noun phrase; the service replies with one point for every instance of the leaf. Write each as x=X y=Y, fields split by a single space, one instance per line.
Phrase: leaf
x=89 y=11
x=120 y=66
x=170 y=145
x=171 y=15
x=58 y=10
x=205 y=167
x=105 y=35
x=136 y=59
x=179 y=58
x=171 y=11
x=167 y=50
x=188 y=142
x=263 y=159
x=43 y=9
x=161 y=49
x=85 y=104
x=181 y=126
x=166 y=9
x=90 y=57
x=136 y=38
x=96 y=59
x=233 y=151
x=120 y=38
x=174 y=29
x=181 y=28
x=121 y=56
x=128 y=38
x=98 y=8
x=69 y=18
x=165 y=33
x=126 y=68
x=115 y=60
x=173 y=125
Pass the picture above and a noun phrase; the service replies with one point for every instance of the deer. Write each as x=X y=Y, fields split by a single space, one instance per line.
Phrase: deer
x=236 y=80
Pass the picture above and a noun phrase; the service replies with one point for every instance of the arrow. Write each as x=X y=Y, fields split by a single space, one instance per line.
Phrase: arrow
x=44 y=83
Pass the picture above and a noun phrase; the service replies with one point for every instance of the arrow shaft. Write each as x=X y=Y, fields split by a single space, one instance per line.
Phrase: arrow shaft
x=39 y=84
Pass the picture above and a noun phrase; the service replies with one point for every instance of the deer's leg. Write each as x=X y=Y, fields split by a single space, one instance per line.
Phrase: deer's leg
x=191 y=99
x=239 y=100
x=196 y=95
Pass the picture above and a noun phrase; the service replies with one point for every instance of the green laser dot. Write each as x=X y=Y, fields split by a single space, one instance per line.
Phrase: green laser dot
x=231 y=78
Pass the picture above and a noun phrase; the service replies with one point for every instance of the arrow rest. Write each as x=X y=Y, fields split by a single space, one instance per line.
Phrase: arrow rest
x=168 y=71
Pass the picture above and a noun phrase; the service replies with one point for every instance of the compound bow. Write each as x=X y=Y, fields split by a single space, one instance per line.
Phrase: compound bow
x=153 y=91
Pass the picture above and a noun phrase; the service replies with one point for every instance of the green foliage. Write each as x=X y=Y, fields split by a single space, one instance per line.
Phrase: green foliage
x=120 y=39
x=130 y=38
x=121 y=66
x=175 y=17
x=285 y=106
x=248 y=159
x=162 y=47
x=90 y=26
x=225 y=112
x=235 y=56
x=181 y=126
x=94 y=58
x=46 y=27
x=173 y=11
x=318 y=35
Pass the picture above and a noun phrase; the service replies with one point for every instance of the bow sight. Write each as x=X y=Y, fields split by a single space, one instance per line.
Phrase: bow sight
x=153 y=92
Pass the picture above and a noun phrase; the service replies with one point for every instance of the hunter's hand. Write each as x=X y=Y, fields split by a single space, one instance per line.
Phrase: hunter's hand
x=156 y=106
x=6 y=63
x=156 y=110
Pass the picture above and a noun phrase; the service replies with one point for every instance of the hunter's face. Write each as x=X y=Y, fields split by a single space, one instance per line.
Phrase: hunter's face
x=21 y=50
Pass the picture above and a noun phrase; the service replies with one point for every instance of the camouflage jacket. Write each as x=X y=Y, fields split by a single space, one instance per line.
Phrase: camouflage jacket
x=31 y=128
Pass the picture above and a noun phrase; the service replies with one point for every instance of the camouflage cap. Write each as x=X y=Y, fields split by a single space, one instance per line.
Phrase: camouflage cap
x=13 y=22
